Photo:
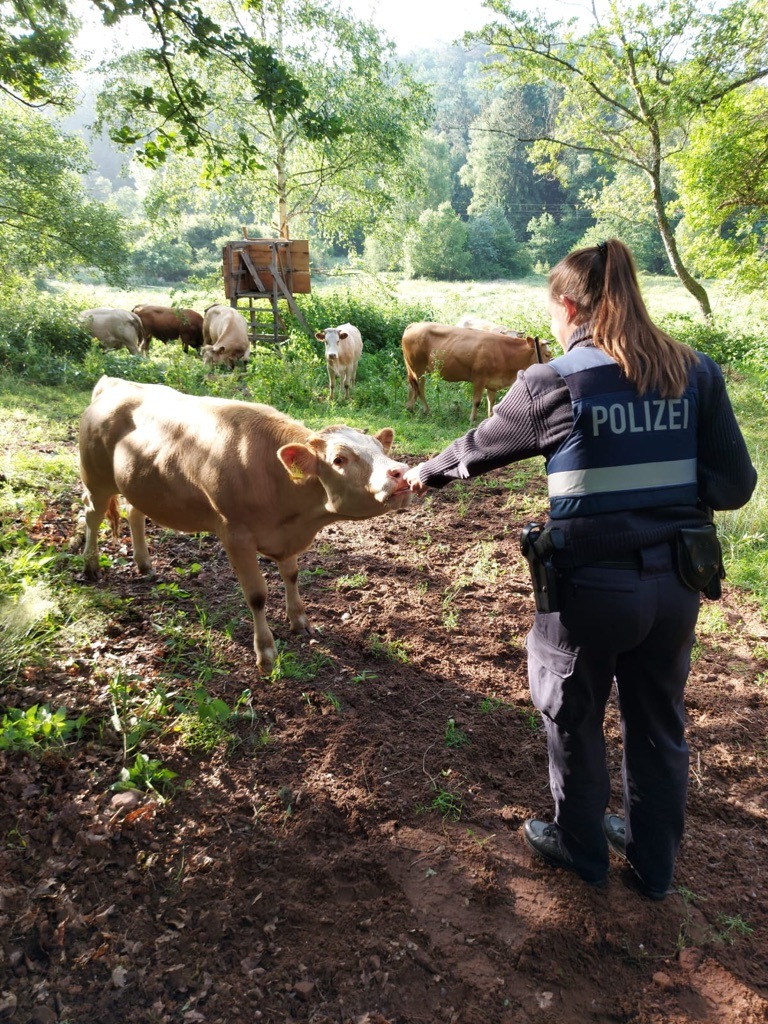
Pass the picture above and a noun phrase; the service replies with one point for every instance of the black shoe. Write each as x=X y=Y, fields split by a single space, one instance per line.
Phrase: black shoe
x=616 y=834
x=544 y=840
x=633 y=881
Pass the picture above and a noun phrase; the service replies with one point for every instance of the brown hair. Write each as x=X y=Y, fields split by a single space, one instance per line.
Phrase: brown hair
x=602 y=282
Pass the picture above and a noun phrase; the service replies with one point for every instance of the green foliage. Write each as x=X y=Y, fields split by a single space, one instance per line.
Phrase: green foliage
x=492 y=245
x=437 y=246
x=48 y=222
x=145 y=773
x=724 y=189
x=37 y=728
x=373 y=308
x=454 y=736
x=40 y=338
x=629 y=82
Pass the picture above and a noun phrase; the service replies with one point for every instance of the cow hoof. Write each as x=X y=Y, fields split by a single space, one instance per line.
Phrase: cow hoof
x=302 y=628
x=265 y=660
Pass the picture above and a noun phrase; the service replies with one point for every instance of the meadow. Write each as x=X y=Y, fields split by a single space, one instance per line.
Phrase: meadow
x=183 y=839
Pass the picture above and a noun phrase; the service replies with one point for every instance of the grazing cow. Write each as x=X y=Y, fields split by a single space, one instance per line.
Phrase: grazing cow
x=486 y=325
x=263 y=483
x=114 y=328
x=489 y=361
x=343 y=348
x=166 y=323
x=225 y=336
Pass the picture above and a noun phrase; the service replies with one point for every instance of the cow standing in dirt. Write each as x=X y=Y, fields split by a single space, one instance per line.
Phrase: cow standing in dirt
x=263 y=483
x=489 y=361
x=166 y=323
x=343 y=348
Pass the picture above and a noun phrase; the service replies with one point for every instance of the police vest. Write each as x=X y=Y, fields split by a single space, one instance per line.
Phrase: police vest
x=626 y=451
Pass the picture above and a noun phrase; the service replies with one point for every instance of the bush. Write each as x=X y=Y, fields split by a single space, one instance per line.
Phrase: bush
x=378 y=315
x=436 y=247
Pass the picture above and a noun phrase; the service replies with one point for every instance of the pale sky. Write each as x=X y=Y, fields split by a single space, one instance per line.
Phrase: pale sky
x=413 y=24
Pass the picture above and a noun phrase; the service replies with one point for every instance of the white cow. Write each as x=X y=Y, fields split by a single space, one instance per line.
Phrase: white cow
x=225 y=336
x=343 y=348
x=263 y=483
x=114 y=328
x=477 y=323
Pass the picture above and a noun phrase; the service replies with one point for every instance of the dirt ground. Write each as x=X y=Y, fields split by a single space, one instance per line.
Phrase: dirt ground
x=354 y=856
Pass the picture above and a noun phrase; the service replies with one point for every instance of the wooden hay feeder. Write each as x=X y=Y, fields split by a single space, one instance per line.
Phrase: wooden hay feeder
x=261 y=272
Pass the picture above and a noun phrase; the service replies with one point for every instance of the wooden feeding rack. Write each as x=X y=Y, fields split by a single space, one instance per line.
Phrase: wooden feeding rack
x=263 y=271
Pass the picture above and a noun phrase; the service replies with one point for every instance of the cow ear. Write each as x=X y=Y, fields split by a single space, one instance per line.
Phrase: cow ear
x=300 y=461
x=385 y=438
x=320 y=335
x=343 y=335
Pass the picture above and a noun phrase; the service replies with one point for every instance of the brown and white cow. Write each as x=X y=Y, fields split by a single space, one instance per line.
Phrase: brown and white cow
x=225 y=336
x=263 y=483
x=114 y=328
x=488 y=360
x=166 y=323
x=480 y=324
x=343 y=348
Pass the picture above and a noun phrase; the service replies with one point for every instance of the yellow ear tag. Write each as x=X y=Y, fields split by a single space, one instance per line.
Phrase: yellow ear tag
x=296 y=472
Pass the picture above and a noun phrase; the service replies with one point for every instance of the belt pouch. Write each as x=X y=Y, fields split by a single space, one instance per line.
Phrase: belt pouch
x=700 y=559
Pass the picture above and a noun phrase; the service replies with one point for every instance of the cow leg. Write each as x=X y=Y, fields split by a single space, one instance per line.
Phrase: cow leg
x=95 y=510
x=137 y=522
x=331 y=380
x=294 y=606
x=477 y=397
x=491 y=396
x=416 y=389
x=244 y=559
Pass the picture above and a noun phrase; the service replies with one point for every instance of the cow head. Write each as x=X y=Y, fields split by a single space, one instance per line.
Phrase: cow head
x=331 y=336
x=359 y=478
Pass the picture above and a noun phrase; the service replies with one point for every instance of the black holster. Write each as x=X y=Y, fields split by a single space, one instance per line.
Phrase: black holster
x=538 y=544
x=700 y=560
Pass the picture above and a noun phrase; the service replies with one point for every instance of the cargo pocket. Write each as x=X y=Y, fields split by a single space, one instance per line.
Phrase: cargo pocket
x=550 y=676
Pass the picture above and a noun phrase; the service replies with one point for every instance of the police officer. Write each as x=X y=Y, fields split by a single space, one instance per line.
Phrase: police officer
x=640 y=442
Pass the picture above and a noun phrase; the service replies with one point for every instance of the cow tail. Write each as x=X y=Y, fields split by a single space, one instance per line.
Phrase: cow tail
x=113 y=516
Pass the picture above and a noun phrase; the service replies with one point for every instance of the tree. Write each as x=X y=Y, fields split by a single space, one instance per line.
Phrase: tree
x=633 y=83
x=437 y=246
x=47 y=223
x=334 y=160
x=724 y=190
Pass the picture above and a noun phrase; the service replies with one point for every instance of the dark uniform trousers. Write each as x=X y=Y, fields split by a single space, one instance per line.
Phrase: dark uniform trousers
x=634 y=625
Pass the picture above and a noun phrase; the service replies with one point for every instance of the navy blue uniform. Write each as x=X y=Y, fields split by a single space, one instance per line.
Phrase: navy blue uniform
x=625 y=472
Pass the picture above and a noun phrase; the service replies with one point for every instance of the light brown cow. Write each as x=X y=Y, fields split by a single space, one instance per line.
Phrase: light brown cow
x=113 y=328
x=166 y=323
x=225 y=336
x=489 y=361
x=343 y=348
x=263 y=483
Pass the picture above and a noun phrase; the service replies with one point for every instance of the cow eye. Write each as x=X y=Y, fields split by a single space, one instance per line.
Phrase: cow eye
x=339 y=461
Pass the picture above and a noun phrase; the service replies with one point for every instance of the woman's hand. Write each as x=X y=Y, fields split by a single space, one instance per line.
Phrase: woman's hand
x=414 y=482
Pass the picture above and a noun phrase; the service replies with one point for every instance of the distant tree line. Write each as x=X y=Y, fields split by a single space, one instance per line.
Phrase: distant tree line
x=489 y=159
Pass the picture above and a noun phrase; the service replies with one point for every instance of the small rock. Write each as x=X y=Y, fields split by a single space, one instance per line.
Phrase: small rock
x=663 y=981
x=127 y=800
x=304 y=989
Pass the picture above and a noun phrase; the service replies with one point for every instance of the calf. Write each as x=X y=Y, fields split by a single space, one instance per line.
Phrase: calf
x=263 y=483
x=489 y=361
x=166 y=323
x=343 y=348
x=114 y=328
x=225 y=336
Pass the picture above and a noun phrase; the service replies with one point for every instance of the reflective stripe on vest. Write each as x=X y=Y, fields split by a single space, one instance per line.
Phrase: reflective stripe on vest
x=625 y=451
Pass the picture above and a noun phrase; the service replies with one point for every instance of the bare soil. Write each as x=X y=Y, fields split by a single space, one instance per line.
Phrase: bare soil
x=354 y=855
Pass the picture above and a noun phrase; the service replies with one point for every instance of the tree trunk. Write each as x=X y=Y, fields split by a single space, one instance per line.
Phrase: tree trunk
x=670 y=244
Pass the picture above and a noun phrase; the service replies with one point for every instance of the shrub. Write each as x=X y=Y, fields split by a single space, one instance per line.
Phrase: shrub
x=436 y=247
